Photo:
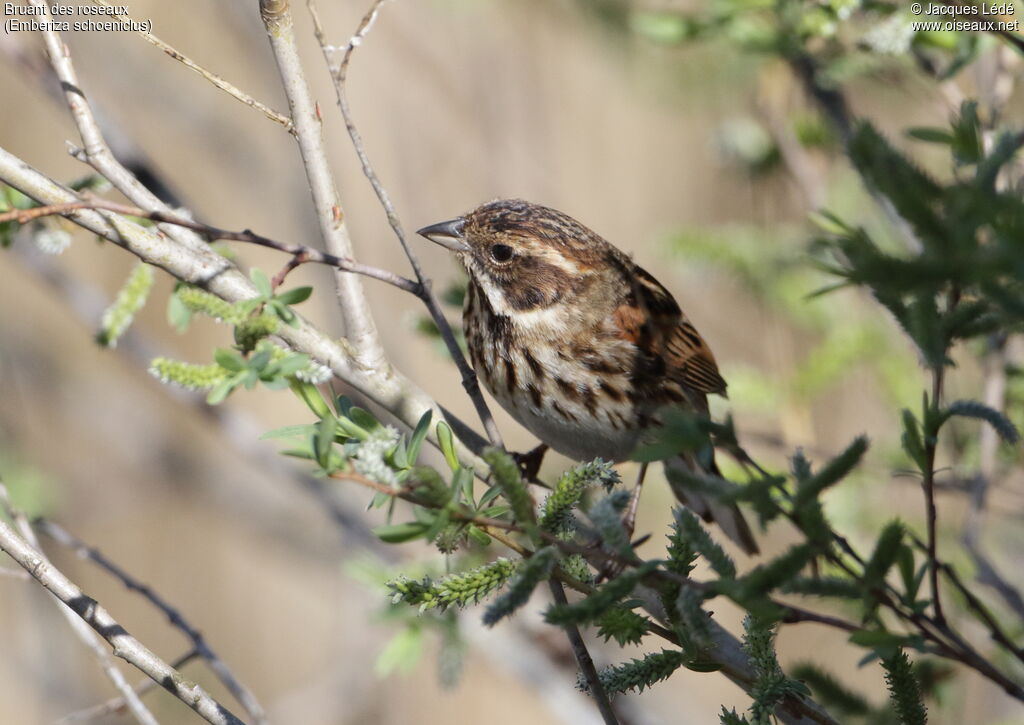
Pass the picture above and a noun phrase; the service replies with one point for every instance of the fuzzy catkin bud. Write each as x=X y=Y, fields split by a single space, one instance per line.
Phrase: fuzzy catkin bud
x=198 y=300
x=459 y=589
x=187 y=375
x=130 y=300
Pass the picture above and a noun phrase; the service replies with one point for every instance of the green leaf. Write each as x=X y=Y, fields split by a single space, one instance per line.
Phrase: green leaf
x=289 y=431
x=419 y=434
x=294 y=296
x=308 y=394
x=260 y=360
x=931 y=135
x=262 y=282
x=401 y=653
x=447 y=442
x=229 y=359
x=293 y=364
x=363 y=418
x=834 y=471
x=401 y=533
x=323 y=441
x=221 y=391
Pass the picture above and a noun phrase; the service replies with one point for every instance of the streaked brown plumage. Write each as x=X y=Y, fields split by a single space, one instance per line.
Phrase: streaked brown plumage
x=578 y=343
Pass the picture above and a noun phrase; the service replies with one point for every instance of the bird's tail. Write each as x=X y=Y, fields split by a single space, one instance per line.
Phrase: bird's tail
x=727 y=515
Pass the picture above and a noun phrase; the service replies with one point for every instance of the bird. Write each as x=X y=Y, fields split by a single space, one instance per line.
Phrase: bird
x=578 y=343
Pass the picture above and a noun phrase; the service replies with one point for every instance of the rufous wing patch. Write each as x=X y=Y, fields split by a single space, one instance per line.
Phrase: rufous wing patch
x=690 y=360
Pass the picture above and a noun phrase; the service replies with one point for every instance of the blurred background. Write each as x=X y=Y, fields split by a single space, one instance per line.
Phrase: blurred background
x=700 y=158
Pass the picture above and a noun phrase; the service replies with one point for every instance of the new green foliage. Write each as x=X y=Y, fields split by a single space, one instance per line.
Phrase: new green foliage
x=460 y=589
x=638 y=674
x=531 y=572
x=132 y=297
x=904 y=690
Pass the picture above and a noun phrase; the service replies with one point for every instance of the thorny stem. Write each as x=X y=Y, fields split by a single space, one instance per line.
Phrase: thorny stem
x=339 y=77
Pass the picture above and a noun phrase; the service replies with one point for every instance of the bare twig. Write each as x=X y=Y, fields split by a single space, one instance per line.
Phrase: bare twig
x=584 y=660
x=215 y=79
x=301 y=254
x=117 y=705
x=339 y=76
x=240 y=692
x=931 y=513
x=30 y=557
x=125 y=645
x=96 y=152
x=360 y=328
x=139 y=712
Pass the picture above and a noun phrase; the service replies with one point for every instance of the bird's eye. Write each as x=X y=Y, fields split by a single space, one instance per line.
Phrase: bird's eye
x=501 y=252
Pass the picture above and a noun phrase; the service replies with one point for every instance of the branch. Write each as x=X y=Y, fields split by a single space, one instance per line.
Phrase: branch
x=584 y=660
x=124 y=645
x=301 y=254
x=117 y=705
x=360 y=328
x=139 y=712
x=240 y=692
x=339 y=77
x=203 y=267
x=215 y=79
x=96 y=152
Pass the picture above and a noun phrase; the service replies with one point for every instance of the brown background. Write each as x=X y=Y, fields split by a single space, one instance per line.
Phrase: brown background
x=458 y=102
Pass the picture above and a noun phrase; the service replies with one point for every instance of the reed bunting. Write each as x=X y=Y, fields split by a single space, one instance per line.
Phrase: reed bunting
x=578 y=343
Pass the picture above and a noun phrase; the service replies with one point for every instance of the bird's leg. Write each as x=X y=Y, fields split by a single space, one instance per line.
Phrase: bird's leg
x=629 y=520
x=529 y=462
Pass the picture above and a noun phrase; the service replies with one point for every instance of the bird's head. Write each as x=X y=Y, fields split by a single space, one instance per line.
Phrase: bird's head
x=522 y=256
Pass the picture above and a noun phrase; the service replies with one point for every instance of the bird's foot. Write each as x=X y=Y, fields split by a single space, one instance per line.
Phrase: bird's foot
x=529 y=462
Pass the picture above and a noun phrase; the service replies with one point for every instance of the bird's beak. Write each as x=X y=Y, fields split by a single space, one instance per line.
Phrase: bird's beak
x=447 y=234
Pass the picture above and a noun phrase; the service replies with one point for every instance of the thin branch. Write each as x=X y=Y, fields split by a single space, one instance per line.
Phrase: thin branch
x=84 y=610
x=139 y=712
x=584 y=660
x=928 y=483
x=96 y=152
x=212 y=77
x=240 y=692
x=117 y=705
x=301 y=254
x=360 y=328
x=124 y=644
x=201 y=266
x=339 y=77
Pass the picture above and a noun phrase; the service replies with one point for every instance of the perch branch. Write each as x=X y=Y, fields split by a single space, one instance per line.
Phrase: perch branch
x=339 y=77
x=360 y=329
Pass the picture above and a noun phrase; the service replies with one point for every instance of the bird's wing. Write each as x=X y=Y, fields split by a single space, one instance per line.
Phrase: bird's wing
x=662 y=330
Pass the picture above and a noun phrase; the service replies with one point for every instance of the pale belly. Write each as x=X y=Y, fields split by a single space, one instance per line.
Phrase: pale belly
x=581 y=440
